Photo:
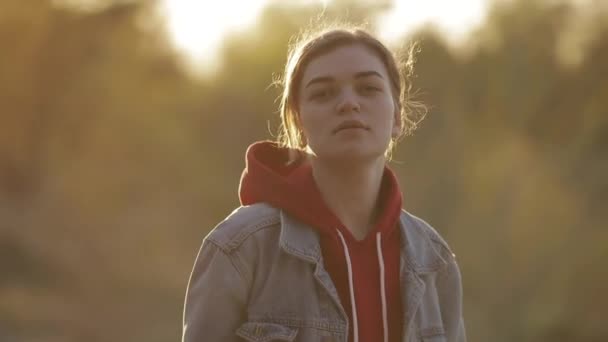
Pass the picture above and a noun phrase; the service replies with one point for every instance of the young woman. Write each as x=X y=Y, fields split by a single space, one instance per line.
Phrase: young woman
x=320 y=249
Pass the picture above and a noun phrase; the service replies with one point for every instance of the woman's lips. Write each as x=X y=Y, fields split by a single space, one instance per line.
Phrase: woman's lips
x=350 y=124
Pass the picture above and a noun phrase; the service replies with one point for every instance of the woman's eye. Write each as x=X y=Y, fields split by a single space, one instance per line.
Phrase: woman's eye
x=320 y=94
x=369 y=89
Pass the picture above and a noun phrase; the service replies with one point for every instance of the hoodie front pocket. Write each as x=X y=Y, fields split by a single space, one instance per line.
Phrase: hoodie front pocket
x=263 y=332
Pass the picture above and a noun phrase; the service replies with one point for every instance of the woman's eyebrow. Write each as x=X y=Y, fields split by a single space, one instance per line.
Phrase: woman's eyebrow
x=319 y=79
x=360 y=74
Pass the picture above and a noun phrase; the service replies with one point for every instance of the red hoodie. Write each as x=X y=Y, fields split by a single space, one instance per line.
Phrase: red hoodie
x=268 y=178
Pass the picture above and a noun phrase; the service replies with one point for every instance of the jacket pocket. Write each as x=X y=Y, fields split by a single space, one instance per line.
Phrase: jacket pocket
x=432 y=334
x=263 y=332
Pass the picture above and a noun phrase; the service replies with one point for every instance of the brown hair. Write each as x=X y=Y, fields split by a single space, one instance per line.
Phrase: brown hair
x=314 y=44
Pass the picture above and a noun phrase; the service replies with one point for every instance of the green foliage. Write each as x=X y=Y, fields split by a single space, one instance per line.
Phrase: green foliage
x=114 y=164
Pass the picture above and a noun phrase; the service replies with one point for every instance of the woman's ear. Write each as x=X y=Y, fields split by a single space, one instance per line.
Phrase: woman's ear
x=397 y=129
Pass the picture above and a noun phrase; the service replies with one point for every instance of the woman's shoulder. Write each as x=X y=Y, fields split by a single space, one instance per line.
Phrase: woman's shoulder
x=243 y=222
x=423 y=228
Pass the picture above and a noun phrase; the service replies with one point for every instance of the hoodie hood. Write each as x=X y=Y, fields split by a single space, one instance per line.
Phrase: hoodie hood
x=269 y=177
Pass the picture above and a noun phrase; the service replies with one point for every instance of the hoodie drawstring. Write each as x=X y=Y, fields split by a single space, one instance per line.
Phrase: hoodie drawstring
x=382 y=287
x=351 y=287
x=352 y=290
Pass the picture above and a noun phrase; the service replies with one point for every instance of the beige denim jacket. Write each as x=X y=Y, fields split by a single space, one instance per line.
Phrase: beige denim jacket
x=259 y=276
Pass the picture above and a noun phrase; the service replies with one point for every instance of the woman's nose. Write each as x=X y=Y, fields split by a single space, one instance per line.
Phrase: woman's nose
x=348 y=102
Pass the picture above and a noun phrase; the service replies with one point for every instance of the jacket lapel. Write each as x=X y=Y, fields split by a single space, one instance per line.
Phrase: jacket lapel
x=302 y=242
x=418 y=257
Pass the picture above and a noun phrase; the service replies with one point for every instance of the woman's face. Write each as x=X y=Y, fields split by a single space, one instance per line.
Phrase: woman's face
x=346 y=108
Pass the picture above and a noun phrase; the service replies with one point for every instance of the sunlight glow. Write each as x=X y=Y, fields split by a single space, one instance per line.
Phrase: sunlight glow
x=453 y=18
x=198 y=27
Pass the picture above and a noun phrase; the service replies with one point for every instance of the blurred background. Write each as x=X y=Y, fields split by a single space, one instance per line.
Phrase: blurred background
x=123 y=128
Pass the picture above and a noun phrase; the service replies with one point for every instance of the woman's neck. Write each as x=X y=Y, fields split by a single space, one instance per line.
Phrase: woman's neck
x=351 y=192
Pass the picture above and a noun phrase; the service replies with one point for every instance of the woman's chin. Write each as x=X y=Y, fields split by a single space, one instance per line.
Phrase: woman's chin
x=349 y=155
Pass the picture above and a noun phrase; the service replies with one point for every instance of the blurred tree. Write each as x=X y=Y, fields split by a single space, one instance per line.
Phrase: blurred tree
x=114 y=163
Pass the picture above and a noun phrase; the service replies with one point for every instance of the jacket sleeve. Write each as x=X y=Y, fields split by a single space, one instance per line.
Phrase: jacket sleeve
x=216 y=297
x=450 y=296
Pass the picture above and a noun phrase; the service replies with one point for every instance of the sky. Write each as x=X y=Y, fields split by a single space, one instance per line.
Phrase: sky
x=188 y=18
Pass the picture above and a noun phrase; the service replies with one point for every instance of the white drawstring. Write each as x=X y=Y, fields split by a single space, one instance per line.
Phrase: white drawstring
x=382 y=289
x=352 y=290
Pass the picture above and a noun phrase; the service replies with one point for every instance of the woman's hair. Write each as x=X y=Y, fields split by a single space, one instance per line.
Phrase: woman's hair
x=314 y=44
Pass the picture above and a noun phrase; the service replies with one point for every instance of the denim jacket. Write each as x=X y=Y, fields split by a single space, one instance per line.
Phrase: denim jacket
x=259 y=276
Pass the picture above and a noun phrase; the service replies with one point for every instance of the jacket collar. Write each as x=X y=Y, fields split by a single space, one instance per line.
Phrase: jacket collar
x=418 y=254
x=300 y=240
